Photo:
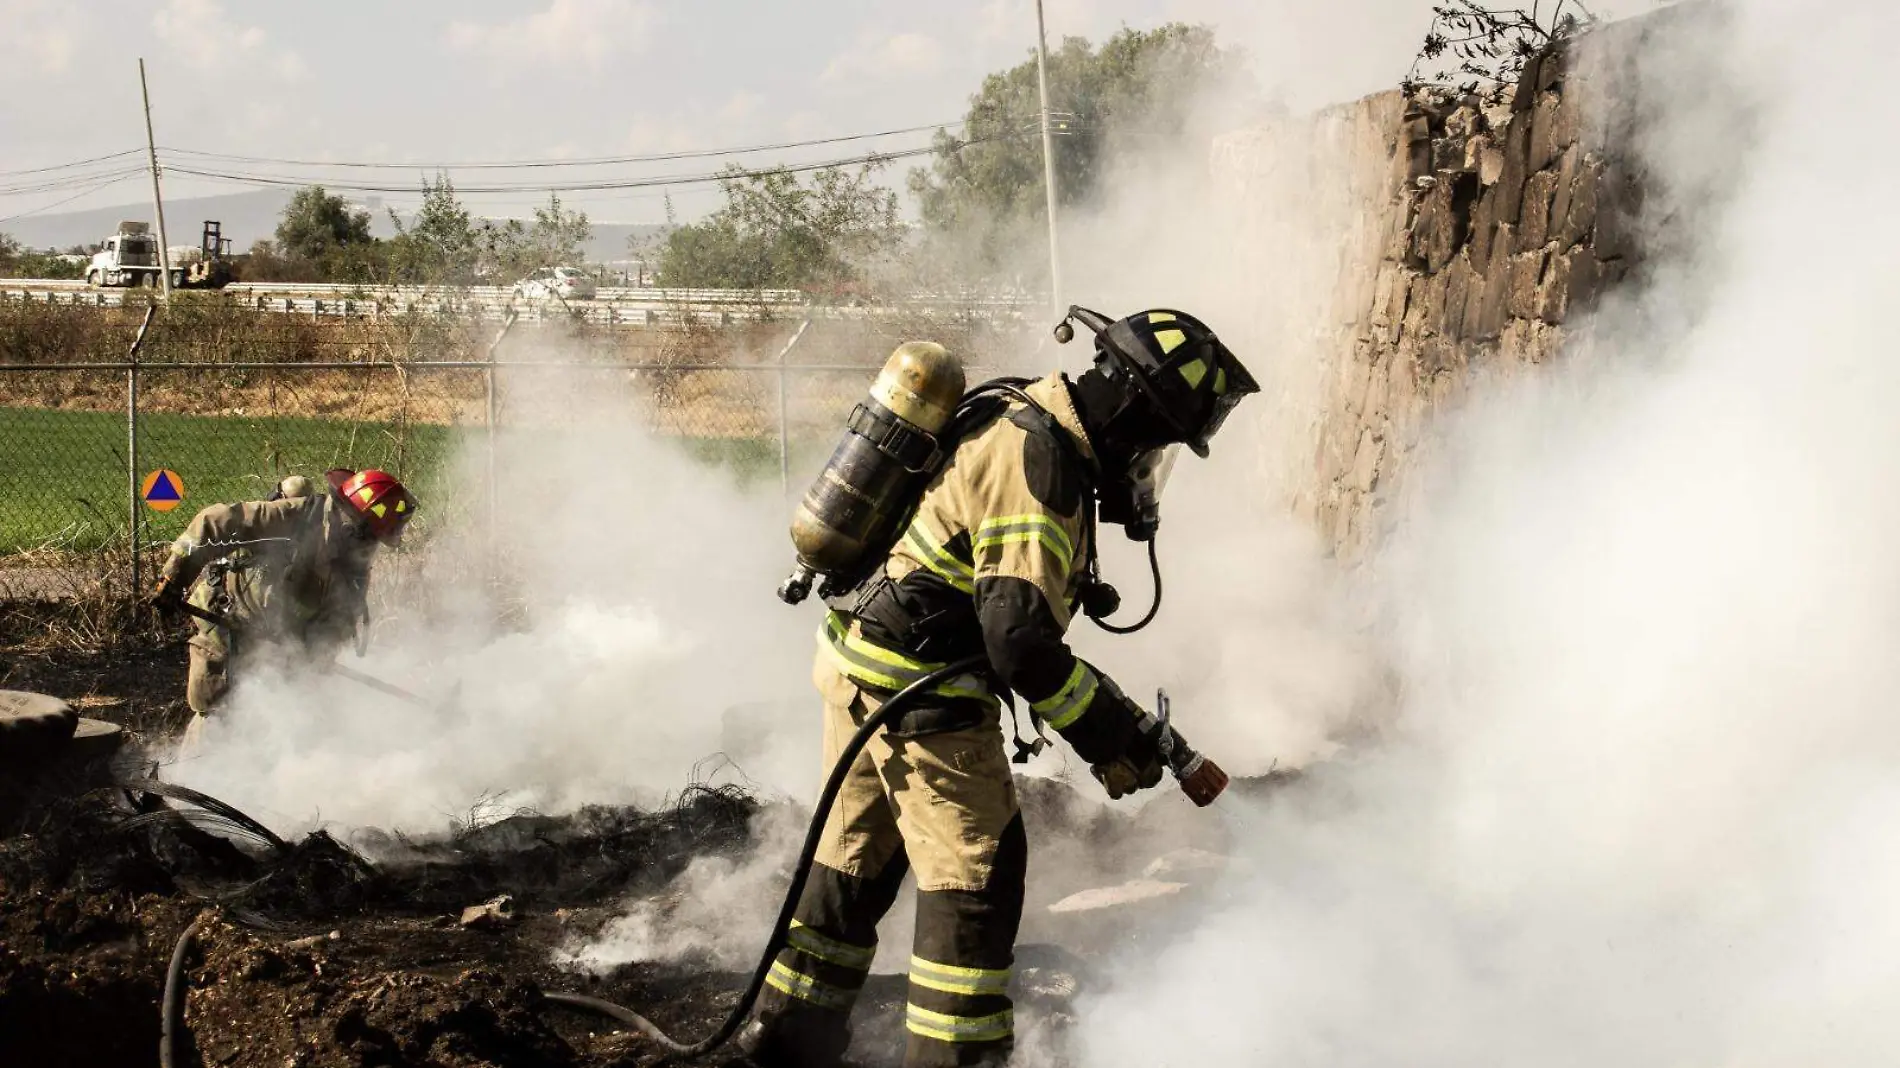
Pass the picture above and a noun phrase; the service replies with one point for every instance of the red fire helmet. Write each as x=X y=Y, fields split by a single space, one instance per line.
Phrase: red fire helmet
x=382 y=502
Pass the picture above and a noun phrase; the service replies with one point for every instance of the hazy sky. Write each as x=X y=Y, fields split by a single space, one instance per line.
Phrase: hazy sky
x=429 y=82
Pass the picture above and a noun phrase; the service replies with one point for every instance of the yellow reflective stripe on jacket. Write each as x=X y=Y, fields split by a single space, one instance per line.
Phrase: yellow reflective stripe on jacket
x=869 y=664
x=947 y=1028
x=951 y=979
x=829 y=949
x=1066 y=705
x=1004 y=530
x=961 y=576
x=807 y=988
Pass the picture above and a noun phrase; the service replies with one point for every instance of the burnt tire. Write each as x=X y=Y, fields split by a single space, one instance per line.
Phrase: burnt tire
x=33 y=726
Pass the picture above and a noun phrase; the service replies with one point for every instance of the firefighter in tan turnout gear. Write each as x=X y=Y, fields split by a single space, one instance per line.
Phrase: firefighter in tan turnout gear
x=292 y=572
x=996 y=560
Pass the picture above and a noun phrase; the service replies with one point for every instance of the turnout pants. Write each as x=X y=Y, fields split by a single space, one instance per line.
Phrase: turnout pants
x=944 y=806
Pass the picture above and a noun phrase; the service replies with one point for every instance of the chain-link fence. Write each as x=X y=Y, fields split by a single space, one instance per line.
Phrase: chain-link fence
x=80 y=440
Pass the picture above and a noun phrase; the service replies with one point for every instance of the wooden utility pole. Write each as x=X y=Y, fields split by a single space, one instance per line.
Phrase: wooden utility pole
x=158 y=201
x=1048 y=168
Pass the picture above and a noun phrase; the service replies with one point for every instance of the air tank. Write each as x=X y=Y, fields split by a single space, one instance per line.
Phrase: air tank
x=848 y=519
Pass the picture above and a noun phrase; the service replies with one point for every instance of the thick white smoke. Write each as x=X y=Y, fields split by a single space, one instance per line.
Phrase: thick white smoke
x=652 y=642
x=1638 y=809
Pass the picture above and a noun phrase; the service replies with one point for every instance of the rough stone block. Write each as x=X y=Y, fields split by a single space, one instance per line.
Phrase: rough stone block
x=1367 y=461
x=1464 y=122
x=1619 y=200
x=1450 y=321
x=1544 y=146
x=1492 y=305
x=1448 y=155
x=1484 y=226
x=1401 y=384
x=1527 y=273
x=1431 y=304
x=1379 y=315
x=1413 y=158
x=1554 y=293
x=1581 y=218
x=1436 y=354
x=1552 y=67
x=1353 y=374
x=1533 y=227
x=1584 y=282
x=1567 y=124
x=1474 y=305
x=1417 y=306
x=1378 y=384
x=1342 y=523
x=1485 y=157
x=1510 y=187
x=1444 y=218
x=1560 y=200
x=1524 y=97
x=1396 y=309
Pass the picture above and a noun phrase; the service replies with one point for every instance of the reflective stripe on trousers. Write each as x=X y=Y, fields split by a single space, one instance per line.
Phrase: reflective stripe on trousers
x=820 y=970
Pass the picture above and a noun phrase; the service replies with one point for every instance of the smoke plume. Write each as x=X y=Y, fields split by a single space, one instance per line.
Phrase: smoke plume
x=1637 y=806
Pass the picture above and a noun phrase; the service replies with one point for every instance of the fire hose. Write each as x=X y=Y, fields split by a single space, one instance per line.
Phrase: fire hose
x=172 y=1013
x=1200 y=778
x=219 y=620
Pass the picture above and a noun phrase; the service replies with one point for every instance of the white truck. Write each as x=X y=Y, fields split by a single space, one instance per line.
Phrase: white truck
x=130 y=258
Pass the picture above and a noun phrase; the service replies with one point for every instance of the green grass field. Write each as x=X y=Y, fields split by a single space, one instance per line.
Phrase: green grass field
x=63 y=476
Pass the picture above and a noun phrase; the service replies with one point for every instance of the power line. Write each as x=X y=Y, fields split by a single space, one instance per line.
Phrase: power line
x=530 y=164
x=70 y=166
x=574 y=186
x=52 y=185
x=133 y=173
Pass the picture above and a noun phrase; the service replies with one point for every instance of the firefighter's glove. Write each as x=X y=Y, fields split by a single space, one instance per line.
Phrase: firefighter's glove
x=1137 y=769
x=1123 y=776
x=167 y=597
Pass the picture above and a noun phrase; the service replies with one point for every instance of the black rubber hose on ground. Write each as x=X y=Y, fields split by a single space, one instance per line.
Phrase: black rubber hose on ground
x=677 y=1050
x=172 y=1012
x=209 y=804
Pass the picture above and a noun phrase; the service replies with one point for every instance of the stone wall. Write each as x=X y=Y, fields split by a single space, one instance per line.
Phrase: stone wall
x=1483 y=237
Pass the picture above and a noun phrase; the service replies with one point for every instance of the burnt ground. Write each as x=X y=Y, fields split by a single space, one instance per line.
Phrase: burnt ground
x=97 y=659
x=313 y=955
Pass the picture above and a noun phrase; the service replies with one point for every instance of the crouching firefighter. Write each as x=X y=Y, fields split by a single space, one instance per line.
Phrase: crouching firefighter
x=290 y=573
x=994 y=557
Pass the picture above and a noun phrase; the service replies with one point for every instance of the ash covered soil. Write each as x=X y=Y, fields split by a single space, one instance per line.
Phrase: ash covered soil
x=312 y=954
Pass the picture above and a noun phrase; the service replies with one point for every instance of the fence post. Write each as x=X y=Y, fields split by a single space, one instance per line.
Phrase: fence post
x=132 y=443
x=784 y=427
x=506 y=325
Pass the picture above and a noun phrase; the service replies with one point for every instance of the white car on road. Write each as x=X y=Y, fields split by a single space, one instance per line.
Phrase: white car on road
x=564 y=283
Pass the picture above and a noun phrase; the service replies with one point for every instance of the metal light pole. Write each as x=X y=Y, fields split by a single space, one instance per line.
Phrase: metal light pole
x=158 y=203
x=1048 y=169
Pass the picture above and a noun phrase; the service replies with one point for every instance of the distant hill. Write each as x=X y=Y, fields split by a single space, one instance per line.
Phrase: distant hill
x=247 y=217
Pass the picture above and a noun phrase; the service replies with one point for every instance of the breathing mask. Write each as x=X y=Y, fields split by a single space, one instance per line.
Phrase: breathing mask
x=1134 y=502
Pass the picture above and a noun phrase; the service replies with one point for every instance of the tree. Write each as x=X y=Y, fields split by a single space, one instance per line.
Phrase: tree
x=316 y=224
x=18 y=261
x=775 y=231
x=1138 y=96
x=443 y=243
x=559 y=236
